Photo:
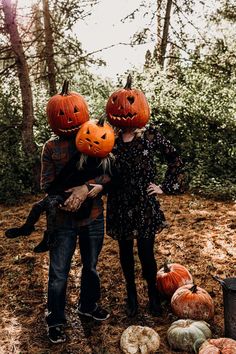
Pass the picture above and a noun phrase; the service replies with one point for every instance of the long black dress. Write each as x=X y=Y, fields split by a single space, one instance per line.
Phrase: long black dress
x=131 y=212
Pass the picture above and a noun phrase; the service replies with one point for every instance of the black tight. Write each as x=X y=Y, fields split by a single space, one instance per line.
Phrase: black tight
x=146 y=256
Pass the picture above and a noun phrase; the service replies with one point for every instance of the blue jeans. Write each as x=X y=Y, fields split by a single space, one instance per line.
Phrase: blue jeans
x=63 y=247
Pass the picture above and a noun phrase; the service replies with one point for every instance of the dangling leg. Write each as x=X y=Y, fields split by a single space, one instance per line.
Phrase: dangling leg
x=149 y=269
x=43 y=245
x=50 y=205
x=28 y=227
x=127 y=264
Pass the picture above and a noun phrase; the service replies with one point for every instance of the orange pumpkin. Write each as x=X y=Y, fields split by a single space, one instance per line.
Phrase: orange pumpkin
x=191 y=301
x=128 y=107
x=218 y=346
x=66 y=111
x=95 y=138
x=172 y=276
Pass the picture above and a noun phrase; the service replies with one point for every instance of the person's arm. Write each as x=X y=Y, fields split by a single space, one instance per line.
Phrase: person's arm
x=174 y=180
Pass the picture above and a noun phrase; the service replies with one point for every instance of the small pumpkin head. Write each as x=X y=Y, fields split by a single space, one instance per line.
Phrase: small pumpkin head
x=172 y=276
x=191 y=301
x=66 y=111
x=95 y=138
x=128 y=107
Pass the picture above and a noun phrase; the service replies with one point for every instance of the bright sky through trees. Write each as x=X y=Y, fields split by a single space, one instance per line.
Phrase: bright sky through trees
x=105 y=29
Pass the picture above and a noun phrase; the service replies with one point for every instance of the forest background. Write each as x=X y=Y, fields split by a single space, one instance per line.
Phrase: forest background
x=188 y=78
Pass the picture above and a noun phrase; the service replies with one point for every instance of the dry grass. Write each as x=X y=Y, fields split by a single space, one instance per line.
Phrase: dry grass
x=201 y=237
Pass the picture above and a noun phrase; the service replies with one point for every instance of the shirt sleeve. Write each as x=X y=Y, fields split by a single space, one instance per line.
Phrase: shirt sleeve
x=103 y=179
x=174 y=180
x=48 y=169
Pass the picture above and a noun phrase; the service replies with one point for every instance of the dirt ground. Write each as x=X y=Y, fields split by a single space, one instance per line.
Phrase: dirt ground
x=201 y=237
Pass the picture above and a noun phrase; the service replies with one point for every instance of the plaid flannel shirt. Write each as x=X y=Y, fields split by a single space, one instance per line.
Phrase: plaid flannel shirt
x=55 y=154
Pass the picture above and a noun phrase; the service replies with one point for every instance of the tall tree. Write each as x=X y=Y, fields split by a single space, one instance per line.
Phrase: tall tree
x=164 y=38
x=49 y=49
x=23 y=74
x=11 y=29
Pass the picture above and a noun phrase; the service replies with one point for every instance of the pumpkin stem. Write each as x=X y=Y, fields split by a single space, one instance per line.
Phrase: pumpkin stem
x=193 y=288
x=101 y=120
x=128 y=83
x=166 y=267
x=65 y=86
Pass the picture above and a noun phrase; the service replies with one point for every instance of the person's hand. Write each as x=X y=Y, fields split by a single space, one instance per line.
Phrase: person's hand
x=97 y=188
x=154 y=189
x=77 y=197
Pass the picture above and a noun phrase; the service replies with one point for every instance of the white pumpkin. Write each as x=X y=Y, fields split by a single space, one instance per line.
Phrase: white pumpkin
x=139 y=340
x=182 y=334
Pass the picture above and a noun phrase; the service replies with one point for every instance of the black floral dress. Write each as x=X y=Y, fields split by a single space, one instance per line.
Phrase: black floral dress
x=131 y=212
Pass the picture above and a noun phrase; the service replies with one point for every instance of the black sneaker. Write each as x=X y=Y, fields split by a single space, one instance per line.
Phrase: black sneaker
x=98 y=314
x=56 y=334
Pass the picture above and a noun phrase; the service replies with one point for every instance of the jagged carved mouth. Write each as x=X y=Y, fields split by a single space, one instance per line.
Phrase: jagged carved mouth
x=69 y=130
x=123 y=117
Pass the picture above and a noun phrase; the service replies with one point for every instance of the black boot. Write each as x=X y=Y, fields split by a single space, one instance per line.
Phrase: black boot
x=43 y=246
x=24 y=230
x=154 y=300
x=131 y=302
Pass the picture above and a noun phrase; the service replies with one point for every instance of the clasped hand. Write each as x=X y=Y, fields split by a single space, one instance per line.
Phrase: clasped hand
x=78 y=196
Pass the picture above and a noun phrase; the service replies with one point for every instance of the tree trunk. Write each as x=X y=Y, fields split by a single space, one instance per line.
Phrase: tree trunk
x=28 y=143
x=49 y=51
x=165 y=33
x=159 y=27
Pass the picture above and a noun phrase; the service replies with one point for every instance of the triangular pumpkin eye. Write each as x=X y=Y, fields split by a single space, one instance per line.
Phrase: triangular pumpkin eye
x=114 y=99
x=61 y=113
x=76 y=109
x=88 y=132
x=104 y=136
x=130 y=99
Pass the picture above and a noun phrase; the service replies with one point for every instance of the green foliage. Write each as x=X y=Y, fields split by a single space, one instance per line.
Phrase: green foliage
x=15 y=168
x=196 y=110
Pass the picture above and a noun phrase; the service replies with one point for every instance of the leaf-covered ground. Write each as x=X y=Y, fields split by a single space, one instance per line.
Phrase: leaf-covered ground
x=201 y=237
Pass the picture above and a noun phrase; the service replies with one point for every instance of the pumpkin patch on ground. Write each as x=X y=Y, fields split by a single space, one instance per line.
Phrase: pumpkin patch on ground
x=201 y=238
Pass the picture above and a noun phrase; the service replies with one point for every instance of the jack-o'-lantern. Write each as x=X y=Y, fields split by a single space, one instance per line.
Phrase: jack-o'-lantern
x=95 y=138
x=128 y=107
x=66 y=111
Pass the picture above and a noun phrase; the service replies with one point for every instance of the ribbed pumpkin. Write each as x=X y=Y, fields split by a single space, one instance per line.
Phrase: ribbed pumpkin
x=95 y=138
x=218 y=346
x=66 y=111
x=193 y=302
x=172 y=276
x=182 y=334
x=139 y=340
x=128 y=107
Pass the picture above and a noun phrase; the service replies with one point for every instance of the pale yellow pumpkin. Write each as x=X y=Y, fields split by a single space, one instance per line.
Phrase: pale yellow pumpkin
x=139 y=340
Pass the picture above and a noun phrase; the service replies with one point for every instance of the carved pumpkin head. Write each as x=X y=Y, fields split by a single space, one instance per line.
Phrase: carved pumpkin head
x=66 y=111
x=128 y=107
x=95 y=138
